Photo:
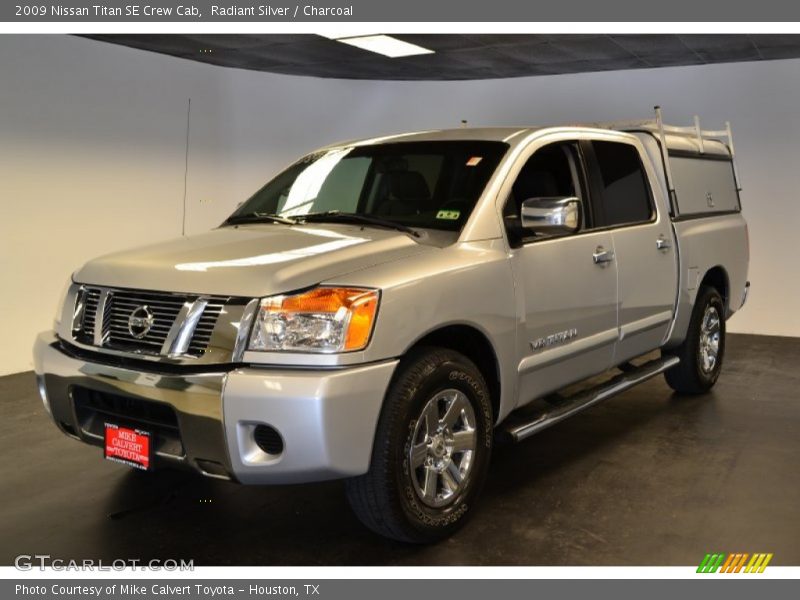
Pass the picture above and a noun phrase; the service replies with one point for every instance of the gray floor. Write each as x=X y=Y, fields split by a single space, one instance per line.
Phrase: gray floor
x=647 y=478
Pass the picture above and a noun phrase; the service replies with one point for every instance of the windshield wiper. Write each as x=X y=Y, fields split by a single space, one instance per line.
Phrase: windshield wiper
x=343 y=217
x=258 y=217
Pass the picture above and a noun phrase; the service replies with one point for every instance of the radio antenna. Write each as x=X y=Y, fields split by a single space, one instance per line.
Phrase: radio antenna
x=186 y=168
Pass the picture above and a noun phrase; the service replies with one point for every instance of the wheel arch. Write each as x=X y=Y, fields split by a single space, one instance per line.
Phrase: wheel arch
x=473 y=343
x=717 y=277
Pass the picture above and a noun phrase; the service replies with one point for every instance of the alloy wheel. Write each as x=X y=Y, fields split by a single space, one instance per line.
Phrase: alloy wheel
x=442 y=448
x=710 y=331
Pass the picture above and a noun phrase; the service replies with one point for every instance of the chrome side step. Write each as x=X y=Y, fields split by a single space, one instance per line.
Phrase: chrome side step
x=531 y=421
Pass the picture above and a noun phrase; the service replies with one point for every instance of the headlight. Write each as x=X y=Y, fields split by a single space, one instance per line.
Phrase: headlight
x=324 y=319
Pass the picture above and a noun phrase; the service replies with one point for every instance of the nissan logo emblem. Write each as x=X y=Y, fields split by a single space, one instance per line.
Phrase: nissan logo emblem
x=140 y=321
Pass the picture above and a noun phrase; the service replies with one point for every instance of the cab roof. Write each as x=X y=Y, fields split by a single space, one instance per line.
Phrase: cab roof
x=483 y=134
x=513 y=135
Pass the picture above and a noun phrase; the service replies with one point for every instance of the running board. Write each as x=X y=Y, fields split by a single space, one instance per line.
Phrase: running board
x=530 y=422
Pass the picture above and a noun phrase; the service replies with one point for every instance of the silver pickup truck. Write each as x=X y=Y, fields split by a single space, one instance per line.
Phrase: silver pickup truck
x=383 y=310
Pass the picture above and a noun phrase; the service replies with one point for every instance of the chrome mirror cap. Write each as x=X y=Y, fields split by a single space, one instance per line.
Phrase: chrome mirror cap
x=555 y=215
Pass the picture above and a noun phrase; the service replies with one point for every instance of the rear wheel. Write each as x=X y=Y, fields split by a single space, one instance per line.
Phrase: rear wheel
x=431 y=450
x=703 y=349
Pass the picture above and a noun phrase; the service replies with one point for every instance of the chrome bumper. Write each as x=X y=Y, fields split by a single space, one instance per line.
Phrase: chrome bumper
x=206 y=421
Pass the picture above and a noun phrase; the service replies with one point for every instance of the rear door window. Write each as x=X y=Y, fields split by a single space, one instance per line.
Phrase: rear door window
x=624 y=192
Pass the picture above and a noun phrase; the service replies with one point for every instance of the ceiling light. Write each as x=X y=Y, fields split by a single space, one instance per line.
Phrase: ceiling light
x=347 y=33
x=386 y=45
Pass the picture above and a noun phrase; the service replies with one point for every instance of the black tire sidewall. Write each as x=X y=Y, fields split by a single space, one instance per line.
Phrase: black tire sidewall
x=458 y=373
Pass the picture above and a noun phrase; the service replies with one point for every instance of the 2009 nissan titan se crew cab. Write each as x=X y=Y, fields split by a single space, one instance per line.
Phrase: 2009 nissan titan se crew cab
x=382 y=309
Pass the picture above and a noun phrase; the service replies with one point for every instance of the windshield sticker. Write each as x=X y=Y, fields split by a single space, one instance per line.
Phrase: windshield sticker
x=474 y=161
x=448 y=215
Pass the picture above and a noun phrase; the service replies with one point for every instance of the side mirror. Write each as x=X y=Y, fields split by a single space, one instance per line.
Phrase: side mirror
x=551 y=216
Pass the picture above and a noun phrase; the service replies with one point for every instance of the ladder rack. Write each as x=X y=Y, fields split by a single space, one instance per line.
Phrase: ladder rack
x=694 y=131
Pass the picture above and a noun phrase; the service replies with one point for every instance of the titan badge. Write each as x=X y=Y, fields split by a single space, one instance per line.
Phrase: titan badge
x=553 y=339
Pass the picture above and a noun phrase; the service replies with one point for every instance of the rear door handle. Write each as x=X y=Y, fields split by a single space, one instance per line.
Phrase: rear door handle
x=602 y=256
x=663 y=243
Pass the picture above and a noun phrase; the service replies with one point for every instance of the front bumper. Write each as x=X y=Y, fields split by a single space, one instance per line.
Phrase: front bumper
x=206 y=421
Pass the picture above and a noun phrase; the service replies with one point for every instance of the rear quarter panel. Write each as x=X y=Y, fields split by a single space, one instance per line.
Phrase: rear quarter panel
x=705 y=243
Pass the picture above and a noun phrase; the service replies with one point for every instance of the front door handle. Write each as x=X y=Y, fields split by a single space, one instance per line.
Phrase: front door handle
x=662 y=243
x=602 y=256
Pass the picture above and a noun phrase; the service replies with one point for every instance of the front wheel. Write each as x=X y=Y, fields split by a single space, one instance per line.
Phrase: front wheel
x=431 y=449
x=703 y=349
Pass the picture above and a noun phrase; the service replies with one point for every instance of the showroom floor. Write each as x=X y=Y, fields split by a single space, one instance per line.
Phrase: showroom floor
x=646 y=478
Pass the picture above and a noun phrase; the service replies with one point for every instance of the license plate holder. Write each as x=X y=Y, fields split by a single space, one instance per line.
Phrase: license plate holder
x=128 y=446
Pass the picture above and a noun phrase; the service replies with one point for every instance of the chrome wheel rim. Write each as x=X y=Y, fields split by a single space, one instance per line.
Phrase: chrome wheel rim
x=442 y=448
x=710 y=332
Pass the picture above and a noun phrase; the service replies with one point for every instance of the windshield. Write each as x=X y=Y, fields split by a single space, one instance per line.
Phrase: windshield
x=432 y=185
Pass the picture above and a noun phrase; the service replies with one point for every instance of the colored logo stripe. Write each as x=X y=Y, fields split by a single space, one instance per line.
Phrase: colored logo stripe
x=711 y=563
x=758 y=563
x=734 y=563
x=726 y=568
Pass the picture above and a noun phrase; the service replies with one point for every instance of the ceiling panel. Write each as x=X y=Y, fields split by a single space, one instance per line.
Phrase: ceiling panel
x=464 y=56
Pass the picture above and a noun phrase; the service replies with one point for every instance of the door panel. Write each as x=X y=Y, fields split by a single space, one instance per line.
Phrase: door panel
x=643 y=243
x=648 y=280
x=566 y=285
x=569 y=305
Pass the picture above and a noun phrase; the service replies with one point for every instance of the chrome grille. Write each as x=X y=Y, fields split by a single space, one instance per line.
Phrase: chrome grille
x=205 y=327
x=168 y=311
x=121 y=304
x=91 y=299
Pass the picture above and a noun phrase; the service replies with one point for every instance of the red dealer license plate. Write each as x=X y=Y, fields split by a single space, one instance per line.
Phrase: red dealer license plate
x=128 y=446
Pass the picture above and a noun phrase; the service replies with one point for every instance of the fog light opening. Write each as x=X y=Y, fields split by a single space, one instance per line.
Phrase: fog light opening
x=268 y=439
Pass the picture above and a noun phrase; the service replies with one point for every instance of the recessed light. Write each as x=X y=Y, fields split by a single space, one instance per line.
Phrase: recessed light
x=386 y=45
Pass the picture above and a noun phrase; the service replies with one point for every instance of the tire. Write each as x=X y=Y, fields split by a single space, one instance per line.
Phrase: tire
x=411 y=492
x=703 y=349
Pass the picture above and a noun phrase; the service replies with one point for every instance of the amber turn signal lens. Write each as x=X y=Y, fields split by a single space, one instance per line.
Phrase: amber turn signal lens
x=359 y=304
x=362 y=309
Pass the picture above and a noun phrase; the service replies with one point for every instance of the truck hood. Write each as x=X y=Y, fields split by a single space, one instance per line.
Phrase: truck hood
x=250 y=260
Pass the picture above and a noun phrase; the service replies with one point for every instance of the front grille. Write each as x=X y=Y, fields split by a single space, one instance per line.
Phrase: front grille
x=205 y=327
x=114 y=314
x=91 y=300
x=120 y=305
